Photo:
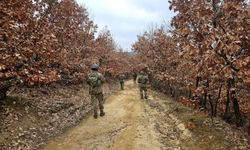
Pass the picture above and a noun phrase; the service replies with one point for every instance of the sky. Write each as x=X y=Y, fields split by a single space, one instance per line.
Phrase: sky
x=128 y=18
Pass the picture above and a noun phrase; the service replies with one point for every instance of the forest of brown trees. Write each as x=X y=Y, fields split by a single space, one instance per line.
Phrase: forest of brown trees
x=43 y=41
x=203 y=56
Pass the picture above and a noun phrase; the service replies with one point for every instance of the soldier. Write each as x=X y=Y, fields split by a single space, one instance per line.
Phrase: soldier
x=134 y=77
x=143 y=80
x=95 y=80
x=121 y=79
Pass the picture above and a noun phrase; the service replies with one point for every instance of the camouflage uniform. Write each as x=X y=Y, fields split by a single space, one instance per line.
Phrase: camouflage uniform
x=143 y=80
x=134 y=77
x=96 y=93
x=121 y=79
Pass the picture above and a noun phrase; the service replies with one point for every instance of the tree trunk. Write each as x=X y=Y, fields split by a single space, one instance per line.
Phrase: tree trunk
x=190 y=94
x=231 y=95
x=212 y=112
x=204 y=101
x=227 y=109
x=198 y=79
x=239 y=120
x=217 y=101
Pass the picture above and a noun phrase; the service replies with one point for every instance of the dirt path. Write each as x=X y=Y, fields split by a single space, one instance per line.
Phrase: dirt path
x=126 y=125
x=158 y=123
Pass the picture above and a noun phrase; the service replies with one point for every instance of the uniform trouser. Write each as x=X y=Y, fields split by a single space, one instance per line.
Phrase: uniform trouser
x=97 y=101
x=2 y=95
x=122 y=85
x=143 y=92
x=134 y=80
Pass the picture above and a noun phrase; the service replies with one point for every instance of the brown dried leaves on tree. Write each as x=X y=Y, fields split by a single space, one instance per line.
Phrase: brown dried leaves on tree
x=206 y=54
x=45 y=41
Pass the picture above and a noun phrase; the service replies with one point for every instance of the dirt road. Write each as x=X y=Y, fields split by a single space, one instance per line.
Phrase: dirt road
x=134 y=124
x=126 y=125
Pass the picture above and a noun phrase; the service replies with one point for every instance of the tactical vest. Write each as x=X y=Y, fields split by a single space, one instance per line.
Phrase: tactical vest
x=94 y=81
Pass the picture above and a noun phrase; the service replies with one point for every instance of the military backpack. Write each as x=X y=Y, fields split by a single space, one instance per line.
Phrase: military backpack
x=143 y=79
x=94 y=80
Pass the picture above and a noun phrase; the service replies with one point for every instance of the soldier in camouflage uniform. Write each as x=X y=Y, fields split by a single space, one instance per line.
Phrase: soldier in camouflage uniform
x=143 y=81
x=134 y=77
x=121 y=80
x=95 y=80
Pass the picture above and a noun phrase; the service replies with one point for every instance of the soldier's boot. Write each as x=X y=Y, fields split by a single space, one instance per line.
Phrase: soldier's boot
x=146 y=95
x=142 y=94
x=95 y=114
x=121 y=85
x=102 y=113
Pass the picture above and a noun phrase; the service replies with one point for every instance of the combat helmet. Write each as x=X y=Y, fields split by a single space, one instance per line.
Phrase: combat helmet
x=94 y=66
x=142 y=72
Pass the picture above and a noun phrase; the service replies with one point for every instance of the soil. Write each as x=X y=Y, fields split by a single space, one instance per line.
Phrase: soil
x=60 y=117
x=131 y=123
x=31 y=116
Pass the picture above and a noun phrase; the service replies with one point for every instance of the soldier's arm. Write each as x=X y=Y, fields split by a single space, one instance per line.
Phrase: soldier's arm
x=139 y=79
x=87 y=79
x=147 y=79
x=102 y=78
